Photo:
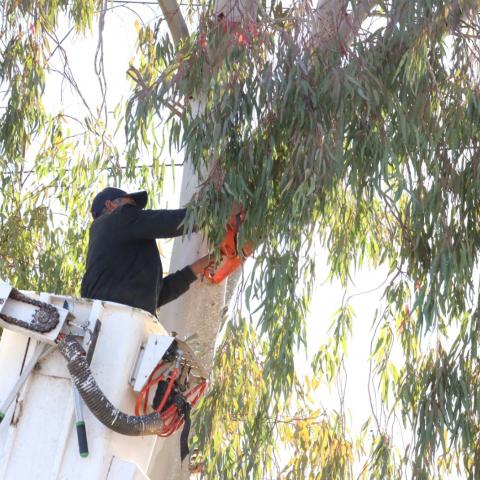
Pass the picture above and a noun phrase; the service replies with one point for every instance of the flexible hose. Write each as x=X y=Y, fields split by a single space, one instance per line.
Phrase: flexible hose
x=97 y=402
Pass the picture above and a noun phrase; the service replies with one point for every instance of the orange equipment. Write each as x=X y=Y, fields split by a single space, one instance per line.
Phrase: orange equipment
x=231 y=258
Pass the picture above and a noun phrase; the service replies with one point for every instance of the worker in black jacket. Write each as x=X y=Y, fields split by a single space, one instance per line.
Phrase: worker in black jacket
x=123 y=262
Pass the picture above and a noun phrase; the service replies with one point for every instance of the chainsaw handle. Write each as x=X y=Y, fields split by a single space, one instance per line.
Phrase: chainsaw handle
x=226 y=267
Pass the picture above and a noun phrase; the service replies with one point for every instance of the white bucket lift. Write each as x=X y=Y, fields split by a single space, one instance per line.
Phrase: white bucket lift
x=40 y=407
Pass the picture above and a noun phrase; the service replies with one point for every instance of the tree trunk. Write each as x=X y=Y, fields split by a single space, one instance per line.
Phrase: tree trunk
x=199 y=313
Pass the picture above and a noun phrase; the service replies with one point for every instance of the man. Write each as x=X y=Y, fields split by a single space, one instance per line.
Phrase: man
x=123 y=262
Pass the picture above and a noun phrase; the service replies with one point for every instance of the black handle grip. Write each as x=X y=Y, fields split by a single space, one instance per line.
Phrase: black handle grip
x=82 y=439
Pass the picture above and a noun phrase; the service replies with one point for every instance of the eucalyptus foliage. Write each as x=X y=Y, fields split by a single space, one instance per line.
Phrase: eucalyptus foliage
x=364 y=142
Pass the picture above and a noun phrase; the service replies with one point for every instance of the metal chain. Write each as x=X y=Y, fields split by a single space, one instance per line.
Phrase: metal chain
x=44 y=320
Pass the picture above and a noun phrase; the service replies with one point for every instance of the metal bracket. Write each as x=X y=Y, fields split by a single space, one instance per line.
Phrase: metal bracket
x=150 y=354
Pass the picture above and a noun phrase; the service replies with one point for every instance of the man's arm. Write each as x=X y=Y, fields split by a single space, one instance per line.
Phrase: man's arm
x=175 y=284
x=179 y=282
x=151 y=224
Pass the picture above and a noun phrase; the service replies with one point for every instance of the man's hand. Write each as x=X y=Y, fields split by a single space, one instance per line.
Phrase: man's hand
x=201 y=264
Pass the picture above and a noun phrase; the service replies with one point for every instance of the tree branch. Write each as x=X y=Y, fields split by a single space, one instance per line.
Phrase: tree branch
x=176 y=22
x=332 y=24
x=350 y=25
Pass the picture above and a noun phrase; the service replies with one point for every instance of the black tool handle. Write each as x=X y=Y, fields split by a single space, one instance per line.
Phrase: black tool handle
x=82 y=439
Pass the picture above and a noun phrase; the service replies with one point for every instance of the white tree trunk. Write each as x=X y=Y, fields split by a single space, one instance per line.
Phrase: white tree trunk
x=198 y=312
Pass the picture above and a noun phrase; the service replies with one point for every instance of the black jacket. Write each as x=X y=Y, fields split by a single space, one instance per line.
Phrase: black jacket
x=123 y=262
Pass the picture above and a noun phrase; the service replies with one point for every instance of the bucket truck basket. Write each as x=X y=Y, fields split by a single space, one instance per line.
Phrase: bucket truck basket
x=51 y=343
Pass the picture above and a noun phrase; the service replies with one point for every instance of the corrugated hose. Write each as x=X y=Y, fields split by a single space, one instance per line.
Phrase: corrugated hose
x=95 y=399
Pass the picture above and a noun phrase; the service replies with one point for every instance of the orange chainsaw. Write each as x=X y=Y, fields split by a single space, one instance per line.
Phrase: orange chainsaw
x=231 y=257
